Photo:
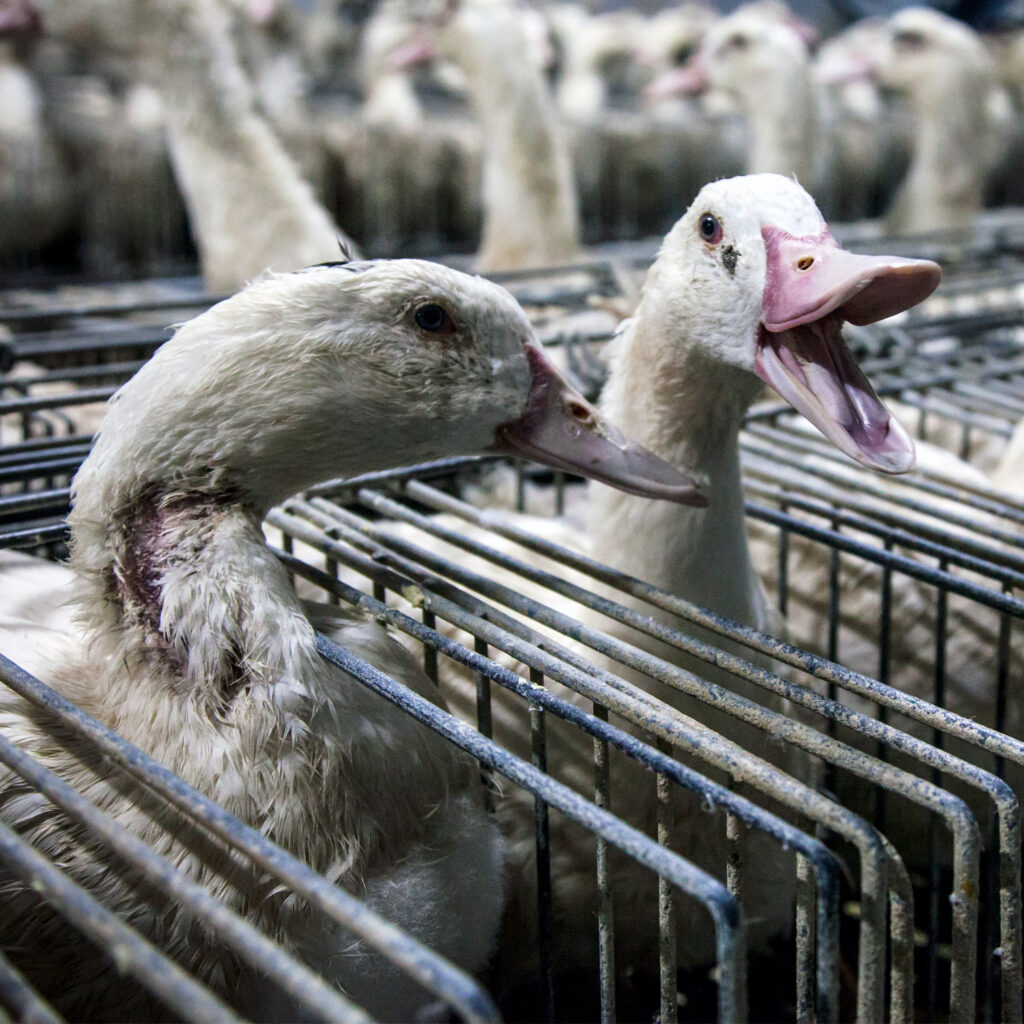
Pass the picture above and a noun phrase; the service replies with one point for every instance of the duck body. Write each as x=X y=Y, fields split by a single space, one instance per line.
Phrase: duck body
x=192 y=644
x=750 y=270
x=36 y=193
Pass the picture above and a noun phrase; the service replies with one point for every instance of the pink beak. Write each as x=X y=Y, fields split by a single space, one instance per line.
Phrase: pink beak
x=19 y=20
x=691 y=78
x=418 y=50
x=560 y=428
x=811 y=286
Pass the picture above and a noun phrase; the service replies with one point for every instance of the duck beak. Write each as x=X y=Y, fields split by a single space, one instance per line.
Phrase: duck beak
x=419 y=50
x=560 y=428
x=811 y=287
x=690 y=79
x=19 y=20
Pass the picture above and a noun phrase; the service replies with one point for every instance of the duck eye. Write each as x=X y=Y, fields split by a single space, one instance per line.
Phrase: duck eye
x=682 y=53
x=431 y=317
x=710 y=229
x=908 y=39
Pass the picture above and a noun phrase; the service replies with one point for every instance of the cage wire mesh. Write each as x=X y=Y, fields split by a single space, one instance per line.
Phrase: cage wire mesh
x=870 y=800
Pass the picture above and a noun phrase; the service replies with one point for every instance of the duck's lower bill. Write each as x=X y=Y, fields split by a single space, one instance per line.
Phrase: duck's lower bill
x=811 y=368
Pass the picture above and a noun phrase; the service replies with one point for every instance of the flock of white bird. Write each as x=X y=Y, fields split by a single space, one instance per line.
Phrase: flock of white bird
x=174 y=623
x=526 y=124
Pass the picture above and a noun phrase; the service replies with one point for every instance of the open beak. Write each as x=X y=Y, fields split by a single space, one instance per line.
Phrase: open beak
x=560 y=428
x=811 y=287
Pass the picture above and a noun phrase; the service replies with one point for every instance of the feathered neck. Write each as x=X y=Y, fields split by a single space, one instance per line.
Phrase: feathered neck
x=783 y=122
x=530 y=206
x=687 y=407
x=247 y=202
x=202 y=655
x=180 y=588
x=944 y=186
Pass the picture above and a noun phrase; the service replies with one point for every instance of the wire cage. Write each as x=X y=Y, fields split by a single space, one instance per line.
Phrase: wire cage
x=849 y=848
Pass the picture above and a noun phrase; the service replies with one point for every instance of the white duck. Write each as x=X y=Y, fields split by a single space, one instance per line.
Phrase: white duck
x=529 y=199
x=249 y=207
x=949 y=80
x=36 y=189
x=594 y=47
x=762 y=62
x=390 y=97
x=749 y=288
x=195 y=647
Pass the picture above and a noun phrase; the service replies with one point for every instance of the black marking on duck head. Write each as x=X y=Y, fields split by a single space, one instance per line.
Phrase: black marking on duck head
x=730 y=257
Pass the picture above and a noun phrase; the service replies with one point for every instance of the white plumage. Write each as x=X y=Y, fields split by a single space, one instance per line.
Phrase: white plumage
x=192 y=644
x=682 y=377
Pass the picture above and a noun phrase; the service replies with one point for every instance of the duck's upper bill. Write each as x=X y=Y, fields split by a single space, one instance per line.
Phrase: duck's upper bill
x=562 y=429
x=811 y=287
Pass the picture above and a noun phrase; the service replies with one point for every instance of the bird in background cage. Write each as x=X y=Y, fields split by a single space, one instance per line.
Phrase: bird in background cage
x=530 y=215
x=248 y=206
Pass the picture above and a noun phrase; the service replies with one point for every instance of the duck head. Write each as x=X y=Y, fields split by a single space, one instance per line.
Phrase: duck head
x=930 y=57
x=348 y=368
x=740 y=55
x=764 y=287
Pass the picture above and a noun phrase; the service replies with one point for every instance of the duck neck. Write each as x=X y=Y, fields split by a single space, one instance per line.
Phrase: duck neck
x=782 y=120
x=688 y=408
x=529 y=198
x=945 y=181
x=205 y=657
x=247 y=203
x=182 y=588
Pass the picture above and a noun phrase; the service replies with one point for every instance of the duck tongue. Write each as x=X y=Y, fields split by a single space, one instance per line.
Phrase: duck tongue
x=811 y=286
x=560 y=428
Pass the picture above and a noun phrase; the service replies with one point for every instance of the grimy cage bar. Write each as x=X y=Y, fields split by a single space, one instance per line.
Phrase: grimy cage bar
x=808 y=497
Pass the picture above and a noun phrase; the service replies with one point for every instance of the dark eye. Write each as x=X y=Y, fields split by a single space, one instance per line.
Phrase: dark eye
x=710 y=229
x=432 y=317
x=908 y=39
x=682 y=53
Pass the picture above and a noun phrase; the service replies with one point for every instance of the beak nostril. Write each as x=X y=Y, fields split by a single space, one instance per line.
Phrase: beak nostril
x=805 y=263
x=580 y=411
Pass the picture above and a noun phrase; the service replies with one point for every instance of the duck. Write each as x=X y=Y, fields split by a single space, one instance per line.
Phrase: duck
x=416 y=170
x=248 y=206
x=36 y=183
x=949 y=81
x=669 y=41
x=749 y=288
x=530 y=208
x=193 y=645
x=761 y=61
x=868 y=142
x=390 y=96
x=598 y=60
